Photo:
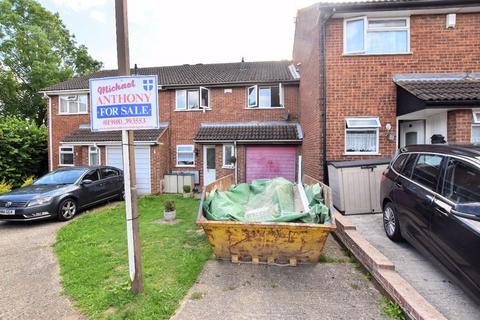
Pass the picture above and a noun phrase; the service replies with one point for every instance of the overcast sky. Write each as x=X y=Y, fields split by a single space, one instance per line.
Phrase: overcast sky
x=179 y=31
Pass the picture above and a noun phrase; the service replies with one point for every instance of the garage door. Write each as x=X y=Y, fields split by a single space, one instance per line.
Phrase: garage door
x=271 y=162
x=142 y=165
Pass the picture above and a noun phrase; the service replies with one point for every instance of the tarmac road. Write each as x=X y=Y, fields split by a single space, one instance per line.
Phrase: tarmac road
x=29 y=274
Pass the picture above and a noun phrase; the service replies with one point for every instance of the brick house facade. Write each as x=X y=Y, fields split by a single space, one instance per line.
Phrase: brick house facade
x=362 y=84
x=228 y=87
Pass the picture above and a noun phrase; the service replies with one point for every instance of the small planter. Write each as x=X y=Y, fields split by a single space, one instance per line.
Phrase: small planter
x=169 y=215
x=187 y=191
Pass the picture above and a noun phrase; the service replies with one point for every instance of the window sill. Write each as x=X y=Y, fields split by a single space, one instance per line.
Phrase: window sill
x=362 y=154
x=72 y=114
x=228 y=167
x=264 y=108
x=377 y=54
x=193 y=110
x=66 y=165
x=185 y=166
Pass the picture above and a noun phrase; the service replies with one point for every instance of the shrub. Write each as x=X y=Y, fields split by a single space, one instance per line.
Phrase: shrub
x=5 y=187
x=169 y=205
x=187 y=188
x=23 y=150
x=28 y=181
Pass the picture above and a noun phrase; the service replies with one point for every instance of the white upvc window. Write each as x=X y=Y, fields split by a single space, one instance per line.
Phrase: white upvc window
x=66 y=156
x=93 y=156
x=363 y=35
x=265 y=96
x=73 y=104
x=362 y=135
x=185 y=156
x=228 y=156
x=193 y=99
x=476 y=127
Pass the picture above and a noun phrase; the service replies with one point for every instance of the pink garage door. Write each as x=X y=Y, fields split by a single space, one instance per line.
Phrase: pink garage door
x=271 y=162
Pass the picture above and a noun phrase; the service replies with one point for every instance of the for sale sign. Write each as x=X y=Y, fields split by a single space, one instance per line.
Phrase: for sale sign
x=124 y=103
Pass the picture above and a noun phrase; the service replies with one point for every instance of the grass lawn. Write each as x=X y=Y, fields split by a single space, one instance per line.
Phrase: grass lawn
x=92 y=251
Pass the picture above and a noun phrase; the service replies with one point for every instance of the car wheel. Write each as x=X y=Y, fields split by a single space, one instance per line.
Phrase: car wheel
x=67 y=209
x=391 y=223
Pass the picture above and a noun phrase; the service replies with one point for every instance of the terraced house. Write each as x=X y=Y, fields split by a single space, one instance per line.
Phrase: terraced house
x=216 y=119
x=382 y=74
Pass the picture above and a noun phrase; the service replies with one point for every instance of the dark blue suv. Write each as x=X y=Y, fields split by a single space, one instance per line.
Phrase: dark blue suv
x=430 y=196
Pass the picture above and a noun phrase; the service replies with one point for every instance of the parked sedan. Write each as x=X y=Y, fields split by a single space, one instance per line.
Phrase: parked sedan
x=431 y=197
x=62 y=193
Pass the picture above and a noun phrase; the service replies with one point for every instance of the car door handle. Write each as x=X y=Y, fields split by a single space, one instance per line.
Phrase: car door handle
x=398 y=185
x=442 y=207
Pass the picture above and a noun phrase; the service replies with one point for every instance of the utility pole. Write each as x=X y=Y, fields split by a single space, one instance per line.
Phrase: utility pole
x=134 y=254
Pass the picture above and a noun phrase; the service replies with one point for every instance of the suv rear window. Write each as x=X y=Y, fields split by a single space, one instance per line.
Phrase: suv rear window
x=462 y=182
x=408 y=167
x=427 y=170
x=398 y=164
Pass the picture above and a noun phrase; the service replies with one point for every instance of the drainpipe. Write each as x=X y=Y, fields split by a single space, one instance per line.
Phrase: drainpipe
x=236 y=161
x=323 y=91
x=50 y=142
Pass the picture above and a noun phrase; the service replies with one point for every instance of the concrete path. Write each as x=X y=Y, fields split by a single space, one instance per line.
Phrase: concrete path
x=29 y=274
x=435 y=286
x=333 y=290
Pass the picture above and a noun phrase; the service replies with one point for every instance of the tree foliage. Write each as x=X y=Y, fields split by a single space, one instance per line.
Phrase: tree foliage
x=36 y=51
x=23 y=150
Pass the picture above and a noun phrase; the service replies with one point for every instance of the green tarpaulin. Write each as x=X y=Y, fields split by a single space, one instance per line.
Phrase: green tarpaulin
x=266 y=200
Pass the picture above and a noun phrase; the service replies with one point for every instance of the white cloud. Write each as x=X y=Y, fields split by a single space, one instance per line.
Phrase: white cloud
x=98 y=15
x=80 y=5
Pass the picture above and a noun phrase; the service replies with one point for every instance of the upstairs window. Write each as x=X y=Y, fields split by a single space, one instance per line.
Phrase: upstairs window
x=193 y=99
x=361 y=135
x=376 y=36
x=476 y=127
x=73 y=104
x=265 y=96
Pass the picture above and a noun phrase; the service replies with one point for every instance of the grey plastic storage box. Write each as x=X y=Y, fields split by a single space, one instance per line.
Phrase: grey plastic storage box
x=356 y=185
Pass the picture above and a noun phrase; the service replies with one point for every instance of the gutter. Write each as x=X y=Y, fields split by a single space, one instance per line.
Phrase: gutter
x=248 y=141
x=50 y=141
x=399 y=5
x=323 y=88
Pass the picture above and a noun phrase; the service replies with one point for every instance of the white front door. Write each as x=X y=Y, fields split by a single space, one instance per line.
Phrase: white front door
x=209 y=167
x=412 y=132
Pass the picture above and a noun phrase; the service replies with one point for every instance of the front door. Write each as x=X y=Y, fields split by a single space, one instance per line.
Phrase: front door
x=209 y=168
x=412 y=132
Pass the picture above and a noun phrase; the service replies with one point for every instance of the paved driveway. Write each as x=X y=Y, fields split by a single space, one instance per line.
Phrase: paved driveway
x=422 y=274
x=29 y=274
x=333 y=290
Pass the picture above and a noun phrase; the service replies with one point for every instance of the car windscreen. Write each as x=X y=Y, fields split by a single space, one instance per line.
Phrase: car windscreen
x=61 y=177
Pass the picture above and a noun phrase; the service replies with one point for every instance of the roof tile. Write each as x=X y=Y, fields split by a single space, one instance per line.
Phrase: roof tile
x=86 y=135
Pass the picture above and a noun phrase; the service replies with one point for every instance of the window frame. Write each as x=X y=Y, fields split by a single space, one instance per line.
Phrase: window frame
x=225 y=165
x=443 y=183
x=98 y=155
x=60 y=152
x=366 y=29
x=64 y=97
x=281 y=97
x=362 y=128
x=199 y=95
x=185 y=152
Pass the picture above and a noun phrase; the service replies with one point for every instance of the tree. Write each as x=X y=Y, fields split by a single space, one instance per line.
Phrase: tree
x=36 y=51
x=23 y=150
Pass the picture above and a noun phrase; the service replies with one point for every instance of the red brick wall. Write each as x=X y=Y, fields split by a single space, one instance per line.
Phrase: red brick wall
x=160 y=162
x=306 y=53
x=459 y=126
x=226 y=107
x=363 y=86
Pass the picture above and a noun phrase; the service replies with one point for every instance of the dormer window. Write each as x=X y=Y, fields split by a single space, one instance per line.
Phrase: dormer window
x=193 y=99
x=265 y=96
x=364 y=35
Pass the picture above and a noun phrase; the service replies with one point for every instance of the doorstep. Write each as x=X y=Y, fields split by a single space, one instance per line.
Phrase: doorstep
x=383 y=270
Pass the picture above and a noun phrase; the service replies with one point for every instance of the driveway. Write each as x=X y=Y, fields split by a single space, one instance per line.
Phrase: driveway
x=335 y=289
x=423 y=275
x=29 y=279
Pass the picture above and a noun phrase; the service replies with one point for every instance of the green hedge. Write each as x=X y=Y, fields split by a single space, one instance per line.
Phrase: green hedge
x=23 y=150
